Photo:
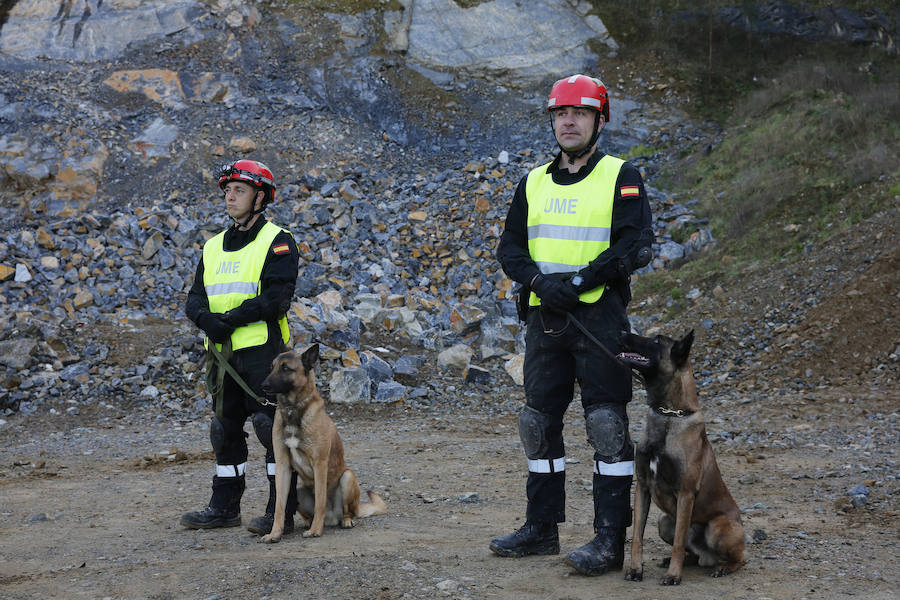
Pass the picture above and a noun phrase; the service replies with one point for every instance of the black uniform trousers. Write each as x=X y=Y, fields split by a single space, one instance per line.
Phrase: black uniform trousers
x=253 y=365
x=557 y=354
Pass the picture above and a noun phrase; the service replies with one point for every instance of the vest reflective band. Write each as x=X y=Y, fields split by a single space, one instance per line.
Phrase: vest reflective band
x=569 y=225
x=232 y=277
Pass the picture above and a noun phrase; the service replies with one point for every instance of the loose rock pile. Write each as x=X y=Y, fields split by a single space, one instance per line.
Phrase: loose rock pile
x=397 y=225
x=397 y=279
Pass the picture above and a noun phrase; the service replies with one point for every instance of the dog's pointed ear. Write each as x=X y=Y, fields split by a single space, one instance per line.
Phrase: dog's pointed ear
x=310 y=357
x=682 y=349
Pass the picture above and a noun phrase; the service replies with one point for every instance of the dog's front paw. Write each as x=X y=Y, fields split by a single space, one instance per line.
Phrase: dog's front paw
x=269 y=539
x=670 y=580
x=310 y=533
x=634 y=575
x=347 y=523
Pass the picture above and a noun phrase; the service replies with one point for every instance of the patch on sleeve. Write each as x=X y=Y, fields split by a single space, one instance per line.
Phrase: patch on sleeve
x=629 y=191
x=281 y=249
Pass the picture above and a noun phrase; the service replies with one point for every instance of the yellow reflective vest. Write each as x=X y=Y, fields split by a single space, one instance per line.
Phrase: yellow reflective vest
x=230 y=277
x=569 y=225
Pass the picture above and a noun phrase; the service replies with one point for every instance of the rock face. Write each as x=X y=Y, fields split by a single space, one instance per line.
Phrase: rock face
x=526 y=39
x=90 y=30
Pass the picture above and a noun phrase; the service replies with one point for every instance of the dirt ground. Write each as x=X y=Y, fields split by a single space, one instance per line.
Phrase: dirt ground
x=90 y=498
x=92 y=511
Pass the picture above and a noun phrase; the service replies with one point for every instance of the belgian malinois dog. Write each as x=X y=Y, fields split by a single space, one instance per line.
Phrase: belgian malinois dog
x=675 y=465
x=306 y=440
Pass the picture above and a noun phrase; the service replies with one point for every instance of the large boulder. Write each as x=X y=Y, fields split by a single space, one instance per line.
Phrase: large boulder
x=548 y=37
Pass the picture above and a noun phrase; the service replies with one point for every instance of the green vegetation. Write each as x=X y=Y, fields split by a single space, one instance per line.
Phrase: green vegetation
x=815 y=147
x=345 y=6
x=810 y=132
x=639 y=150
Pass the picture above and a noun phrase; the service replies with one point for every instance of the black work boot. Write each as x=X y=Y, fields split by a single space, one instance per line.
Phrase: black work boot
x=530 y=538
x=603 y=553
x=224 y=508
x=262 y=525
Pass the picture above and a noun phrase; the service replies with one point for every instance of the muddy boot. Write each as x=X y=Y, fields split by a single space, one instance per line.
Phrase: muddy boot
x=263 y=524
x=604 y=553
x=224 y=508
x=530 y=538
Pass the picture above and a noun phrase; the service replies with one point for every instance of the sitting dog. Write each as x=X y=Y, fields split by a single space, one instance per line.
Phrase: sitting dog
x=306 y=440
x=675 y=465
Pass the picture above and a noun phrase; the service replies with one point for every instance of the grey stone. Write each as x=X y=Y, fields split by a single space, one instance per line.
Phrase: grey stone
x=475 y=374
x=376 y=368
x=390 y=391
x=670 y=250
x=455 y=357
x=349 y=386
x=16 y=354
x=155 y=140
x=23 y=275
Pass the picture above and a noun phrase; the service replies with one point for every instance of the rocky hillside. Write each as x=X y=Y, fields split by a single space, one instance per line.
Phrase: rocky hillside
x=396 y=134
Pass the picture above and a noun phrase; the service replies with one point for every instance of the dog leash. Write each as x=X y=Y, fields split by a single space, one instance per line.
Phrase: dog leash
x=590 y=336
x=223 y=362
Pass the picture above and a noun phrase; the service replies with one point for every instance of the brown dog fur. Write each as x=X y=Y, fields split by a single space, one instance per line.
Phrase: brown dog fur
x=306 y=440
x=675 y=465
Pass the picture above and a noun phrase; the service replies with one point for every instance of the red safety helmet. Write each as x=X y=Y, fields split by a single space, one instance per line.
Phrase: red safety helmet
x=580 y=90
x=251 y=172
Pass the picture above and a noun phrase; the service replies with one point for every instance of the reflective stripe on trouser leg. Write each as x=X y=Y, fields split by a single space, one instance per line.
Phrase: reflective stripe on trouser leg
x=546 y=490
x=547 y=465
x=270 y=469
x=231 y=470
x=619 y=469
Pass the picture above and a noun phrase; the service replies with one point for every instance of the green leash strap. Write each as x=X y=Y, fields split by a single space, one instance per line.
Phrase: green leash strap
x=216 y=389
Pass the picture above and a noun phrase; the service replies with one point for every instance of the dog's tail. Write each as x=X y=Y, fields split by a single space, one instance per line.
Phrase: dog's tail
x=375 y=506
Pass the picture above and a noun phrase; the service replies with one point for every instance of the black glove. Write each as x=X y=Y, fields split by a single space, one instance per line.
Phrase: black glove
x=234 y=317
x=554 y=294
x=596 y=275
x=216 y=329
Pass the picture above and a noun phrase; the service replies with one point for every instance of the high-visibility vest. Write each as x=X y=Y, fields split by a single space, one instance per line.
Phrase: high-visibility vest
x=230 y=277
x=569 y=225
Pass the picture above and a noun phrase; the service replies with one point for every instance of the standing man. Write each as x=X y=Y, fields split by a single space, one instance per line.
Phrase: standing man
x=576 y=229
x=240 y=297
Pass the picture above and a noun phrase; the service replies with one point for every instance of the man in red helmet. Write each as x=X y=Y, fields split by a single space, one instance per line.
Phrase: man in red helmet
x=242 y=291
x=576 y=229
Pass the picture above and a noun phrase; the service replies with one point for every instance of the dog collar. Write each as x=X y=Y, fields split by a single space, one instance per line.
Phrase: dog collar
x=671 y=412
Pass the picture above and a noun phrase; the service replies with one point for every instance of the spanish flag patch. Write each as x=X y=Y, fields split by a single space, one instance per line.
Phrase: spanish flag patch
x=281 y=249
x=629 y=191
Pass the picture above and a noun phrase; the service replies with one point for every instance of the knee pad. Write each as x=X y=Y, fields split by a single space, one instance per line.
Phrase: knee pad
x=262 y=425
x=534 y=427
x=607 y=430
x=217 y=435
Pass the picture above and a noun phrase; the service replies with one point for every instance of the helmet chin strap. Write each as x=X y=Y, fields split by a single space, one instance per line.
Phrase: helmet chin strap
x=571 y=157
x=242 y=224
x=253 y=213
